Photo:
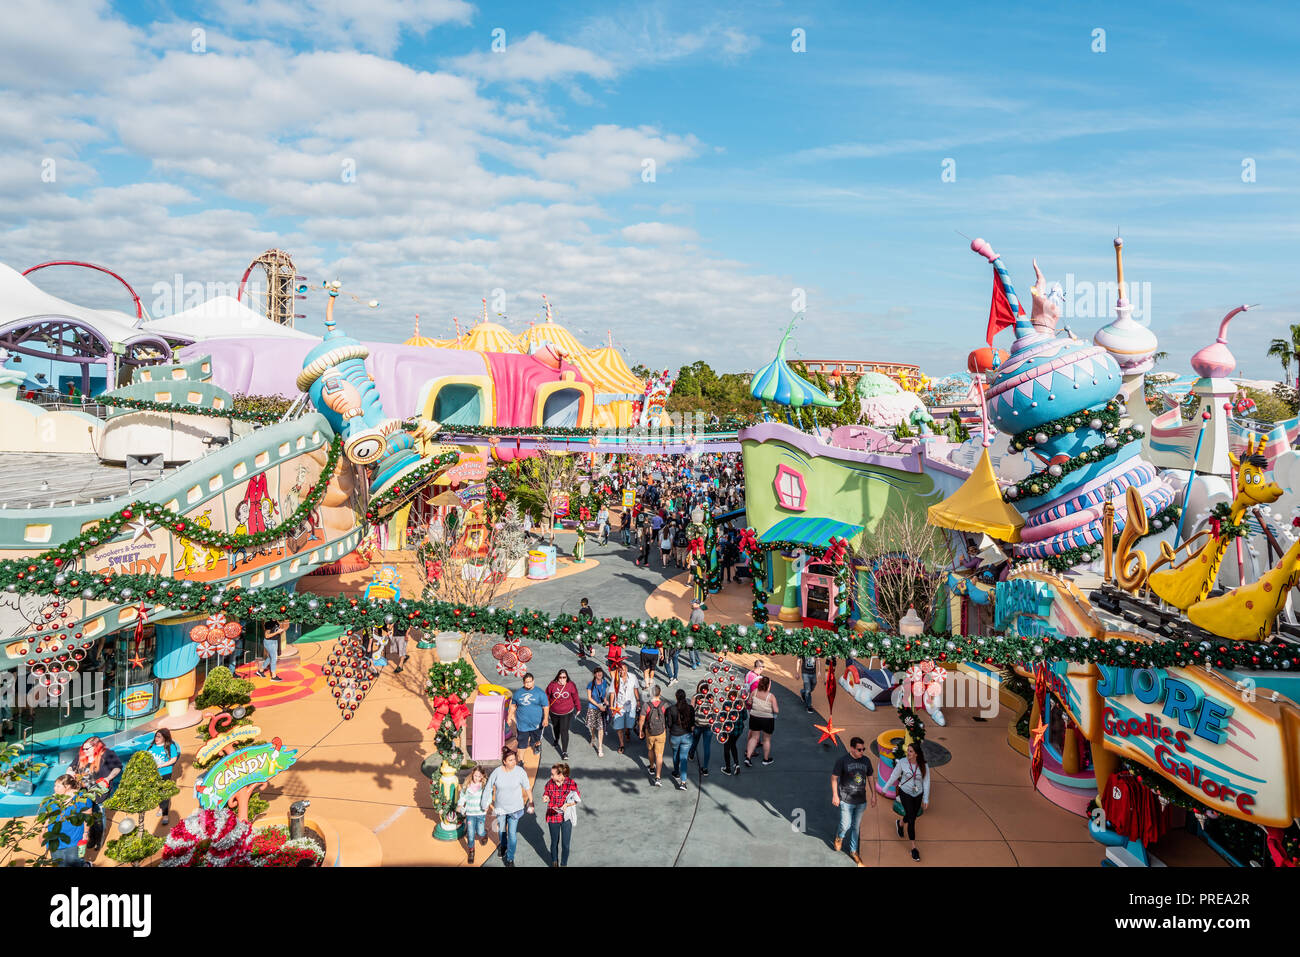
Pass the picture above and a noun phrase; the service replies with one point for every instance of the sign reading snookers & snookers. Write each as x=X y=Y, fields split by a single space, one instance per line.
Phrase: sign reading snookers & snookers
x=245 y=768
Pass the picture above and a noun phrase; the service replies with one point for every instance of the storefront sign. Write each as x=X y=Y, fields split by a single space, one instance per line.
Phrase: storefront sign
x=468 y=469
x=629 y=498
x=248 y=732
x=561 y=506
x=245 y=768
x=1234 y=754
x=133 y=702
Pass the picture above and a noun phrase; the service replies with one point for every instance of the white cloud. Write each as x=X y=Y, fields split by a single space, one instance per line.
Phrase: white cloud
x=376 y=25
x=658 y=233
x=534 y=58
x=456 y=192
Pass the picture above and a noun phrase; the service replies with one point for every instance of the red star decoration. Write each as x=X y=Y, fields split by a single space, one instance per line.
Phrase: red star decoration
x=828 y=730
x=137 y=662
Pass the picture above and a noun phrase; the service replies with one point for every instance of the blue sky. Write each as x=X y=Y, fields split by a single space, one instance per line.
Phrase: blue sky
x=520 y=170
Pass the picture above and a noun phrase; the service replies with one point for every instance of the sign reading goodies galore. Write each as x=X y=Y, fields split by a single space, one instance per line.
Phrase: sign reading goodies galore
x=1238 y=755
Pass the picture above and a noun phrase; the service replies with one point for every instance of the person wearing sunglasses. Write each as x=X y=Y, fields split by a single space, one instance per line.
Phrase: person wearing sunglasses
x=851 y=783
x=562 y=696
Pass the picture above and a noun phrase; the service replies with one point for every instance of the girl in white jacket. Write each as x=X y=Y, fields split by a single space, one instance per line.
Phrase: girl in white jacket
x=912 y=779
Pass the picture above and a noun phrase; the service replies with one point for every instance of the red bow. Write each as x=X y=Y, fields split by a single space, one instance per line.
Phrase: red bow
x=836 y=551
x=1214 y=527
x=449 y=706
x=696 y=547
x=584 y=513
x=748 y=543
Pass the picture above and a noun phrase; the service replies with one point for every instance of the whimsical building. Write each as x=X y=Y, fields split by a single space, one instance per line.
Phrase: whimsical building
x=1057 y=396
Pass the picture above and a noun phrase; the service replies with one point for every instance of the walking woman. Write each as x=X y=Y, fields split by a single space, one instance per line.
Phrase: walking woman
x=622 y=704
x=702 y=733
x=598 y=695
x=473 y=805
x=681 y=727
x=762 y=720
x=165 y=754
x=912 y=779
x=562 y=799
x=562 y=695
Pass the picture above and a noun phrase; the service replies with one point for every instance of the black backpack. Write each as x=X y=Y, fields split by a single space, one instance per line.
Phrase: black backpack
x=656 y=718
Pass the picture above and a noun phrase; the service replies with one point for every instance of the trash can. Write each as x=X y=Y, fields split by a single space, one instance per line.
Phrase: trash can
x=537 y=565
x=489 y=727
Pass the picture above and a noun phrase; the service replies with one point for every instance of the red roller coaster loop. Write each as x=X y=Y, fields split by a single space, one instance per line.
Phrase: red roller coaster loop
x=139 y=308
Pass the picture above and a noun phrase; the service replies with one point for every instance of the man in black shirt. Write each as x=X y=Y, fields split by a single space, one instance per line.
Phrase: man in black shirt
x=851 y=783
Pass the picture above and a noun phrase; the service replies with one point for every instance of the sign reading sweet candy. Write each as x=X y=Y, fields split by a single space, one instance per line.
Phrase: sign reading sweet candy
x=1236 y=756
x=245 y=768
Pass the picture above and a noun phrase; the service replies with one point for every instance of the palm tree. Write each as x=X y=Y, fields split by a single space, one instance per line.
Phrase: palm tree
x=1288 y=351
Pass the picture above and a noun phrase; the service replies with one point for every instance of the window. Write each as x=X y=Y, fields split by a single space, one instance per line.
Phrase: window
x=791 y=492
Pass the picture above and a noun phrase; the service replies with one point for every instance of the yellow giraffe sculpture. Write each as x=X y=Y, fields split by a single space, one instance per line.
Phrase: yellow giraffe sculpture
x=1190 y=582
x=1248 y=612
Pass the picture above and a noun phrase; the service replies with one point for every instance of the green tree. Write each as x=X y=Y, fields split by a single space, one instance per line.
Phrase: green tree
x=221 y=689
x=1288 y=351
x=141 y=791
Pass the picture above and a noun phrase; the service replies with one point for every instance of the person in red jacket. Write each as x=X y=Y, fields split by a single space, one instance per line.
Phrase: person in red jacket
x=565 y=701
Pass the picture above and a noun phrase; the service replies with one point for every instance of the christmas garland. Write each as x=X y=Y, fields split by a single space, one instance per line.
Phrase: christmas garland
x=145 y=405
x=38 y=577
x=1106 y=419
x=1091 y=553
x=913 y=725
x=1222 y=525
x=156 y=514
x=728 y=425
x=1046 y=479
x=408 y=485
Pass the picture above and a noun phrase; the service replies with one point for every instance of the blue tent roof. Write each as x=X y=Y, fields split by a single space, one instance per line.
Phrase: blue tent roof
x=809 y=531
x=777 y=382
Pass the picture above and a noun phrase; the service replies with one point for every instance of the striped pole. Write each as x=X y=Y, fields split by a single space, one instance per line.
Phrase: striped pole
x=1187 y=492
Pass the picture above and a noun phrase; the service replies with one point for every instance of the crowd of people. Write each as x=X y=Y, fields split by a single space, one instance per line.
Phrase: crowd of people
x=75 y=827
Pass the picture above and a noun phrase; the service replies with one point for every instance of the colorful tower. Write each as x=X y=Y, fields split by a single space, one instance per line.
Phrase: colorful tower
x=1132 y=346
x=334 y=376
x=1053 y=392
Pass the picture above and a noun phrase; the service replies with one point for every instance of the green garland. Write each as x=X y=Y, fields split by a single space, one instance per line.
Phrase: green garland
x=1228 y=530
x=1044 y=481
x=1090 y=553
x=33 y=576
x=727 y=425
x=758 y=579
x=1108 y=416
x=155 y=513
x=914 y=725
x=408 y=485
x=145 y=405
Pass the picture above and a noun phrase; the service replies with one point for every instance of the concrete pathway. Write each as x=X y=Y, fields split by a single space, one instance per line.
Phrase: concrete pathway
x=776 y=815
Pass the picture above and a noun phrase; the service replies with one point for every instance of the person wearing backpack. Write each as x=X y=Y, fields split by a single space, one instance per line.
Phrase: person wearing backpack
x=654 y=728
x=588 y=618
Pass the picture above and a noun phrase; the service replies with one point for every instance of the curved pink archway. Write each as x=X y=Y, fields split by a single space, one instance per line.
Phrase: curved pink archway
x=139 y=308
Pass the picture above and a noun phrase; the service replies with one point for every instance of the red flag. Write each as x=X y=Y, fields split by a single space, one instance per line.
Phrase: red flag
x=1000 y=316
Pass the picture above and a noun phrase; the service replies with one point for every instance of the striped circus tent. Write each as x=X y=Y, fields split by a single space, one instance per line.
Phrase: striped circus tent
x=615 y=386
x=549 y=333
x=489 y=337
x=776 y=382
x=419 y=340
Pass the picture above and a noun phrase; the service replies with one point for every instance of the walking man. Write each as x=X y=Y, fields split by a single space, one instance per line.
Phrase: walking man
x=850 y=784
x=654 y=728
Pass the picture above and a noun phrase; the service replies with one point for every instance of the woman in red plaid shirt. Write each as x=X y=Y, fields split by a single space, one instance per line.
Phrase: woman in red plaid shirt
x=562 y=800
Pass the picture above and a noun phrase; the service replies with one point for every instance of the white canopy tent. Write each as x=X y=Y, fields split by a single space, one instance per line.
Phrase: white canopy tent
x=221 y=317
x=36 y=323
